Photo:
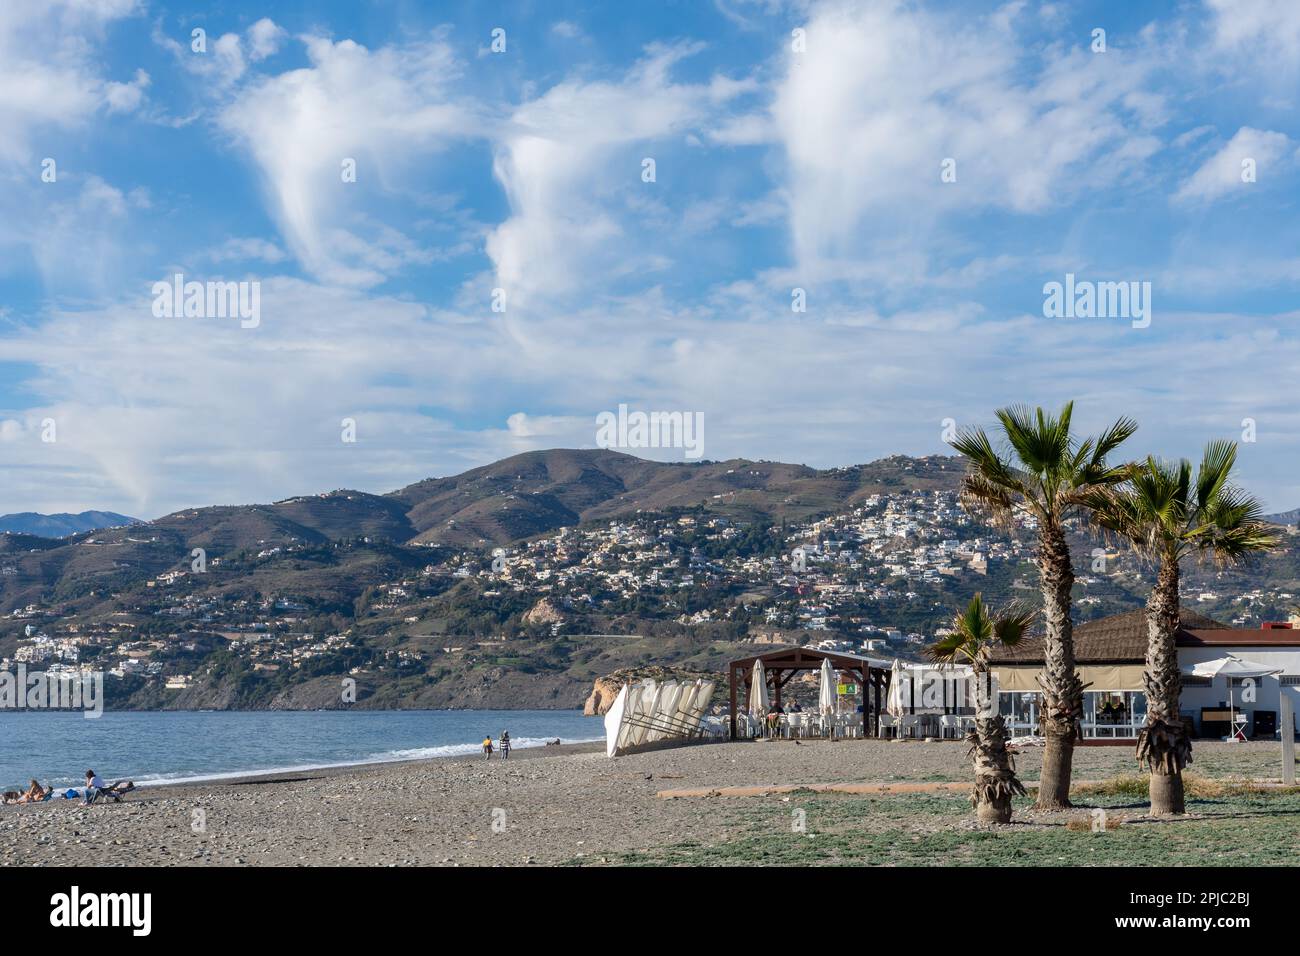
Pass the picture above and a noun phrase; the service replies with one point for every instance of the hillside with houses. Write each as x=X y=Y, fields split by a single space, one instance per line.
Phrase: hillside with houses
x=280 y=605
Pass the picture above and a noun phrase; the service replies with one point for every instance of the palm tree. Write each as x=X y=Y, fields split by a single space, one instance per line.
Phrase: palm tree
x=976 y=632
x=1044 y=473
x=1165 y=515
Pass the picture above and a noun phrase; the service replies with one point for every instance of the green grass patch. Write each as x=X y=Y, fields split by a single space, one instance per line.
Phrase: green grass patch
x=1241 y=827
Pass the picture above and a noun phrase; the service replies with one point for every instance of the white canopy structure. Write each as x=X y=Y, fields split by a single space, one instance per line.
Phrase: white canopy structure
x=646 y=713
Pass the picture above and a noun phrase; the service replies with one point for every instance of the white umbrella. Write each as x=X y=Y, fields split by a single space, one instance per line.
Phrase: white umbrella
x=826 y=696
x=895 y=706
x=758 y=700
x=1231 y=666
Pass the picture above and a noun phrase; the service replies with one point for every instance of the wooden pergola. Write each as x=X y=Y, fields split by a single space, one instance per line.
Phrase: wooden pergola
x=782 y=664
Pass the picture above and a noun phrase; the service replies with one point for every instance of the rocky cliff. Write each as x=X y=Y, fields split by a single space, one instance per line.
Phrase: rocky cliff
x=606 y=688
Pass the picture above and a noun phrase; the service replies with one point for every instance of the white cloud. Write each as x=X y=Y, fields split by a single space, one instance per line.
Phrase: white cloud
x=1222 y=173
x=566 y=29
x=49 y=75
x=886 y=92
x=570 y=159
x=244 y=249
x=224 y=60
x=301 y=125
x=126 y=97
x=1258 y=28
x=73 y=232
x=264 y=39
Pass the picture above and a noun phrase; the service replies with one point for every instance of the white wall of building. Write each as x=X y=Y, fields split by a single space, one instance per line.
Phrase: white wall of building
x=1267 y=690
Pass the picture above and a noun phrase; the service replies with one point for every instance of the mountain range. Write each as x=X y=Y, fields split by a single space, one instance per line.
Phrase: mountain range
x=63 y=524
x=510 y=500
x=401 y=573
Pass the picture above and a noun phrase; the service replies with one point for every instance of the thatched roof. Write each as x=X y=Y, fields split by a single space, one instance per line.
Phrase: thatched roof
x=1120 y=638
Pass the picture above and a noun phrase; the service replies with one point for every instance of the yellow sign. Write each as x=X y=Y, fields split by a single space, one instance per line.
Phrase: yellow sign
x=846 y=690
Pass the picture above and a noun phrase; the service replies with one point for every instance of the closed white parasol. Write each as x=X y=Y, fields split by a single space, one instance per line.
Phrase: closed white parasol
x=896 y=706
x=826 y=697
x=758 y=699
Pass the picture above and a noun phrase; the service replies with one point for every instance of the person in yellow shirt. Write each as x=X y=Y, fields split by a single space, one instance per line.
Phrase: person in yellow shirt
x=487 y=747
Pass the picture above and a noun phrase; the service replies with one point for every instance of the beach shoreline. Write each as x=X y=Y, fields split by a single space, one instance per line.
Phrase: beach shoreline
x=285 y=774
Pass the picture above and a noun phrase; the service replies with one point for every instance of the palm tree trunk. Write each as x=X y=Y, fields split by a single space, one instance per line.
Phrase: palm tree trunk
x=1163 y=744
x=1062 y=689
x=995 y=769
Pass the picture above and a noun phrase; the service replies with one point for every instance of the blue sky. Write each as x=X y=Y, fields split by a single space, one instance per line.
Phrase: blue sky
x=783 y=160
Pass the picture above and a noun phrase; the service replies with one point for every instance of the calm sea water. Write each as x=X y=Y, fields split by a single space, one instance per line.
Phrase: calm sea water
x=58 y=747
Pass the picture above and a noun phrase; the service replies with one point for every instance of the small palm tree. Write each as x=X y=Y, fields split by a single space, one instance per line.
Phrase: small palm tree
x=1165 y=515
x=1044 y=473
x=976 y=632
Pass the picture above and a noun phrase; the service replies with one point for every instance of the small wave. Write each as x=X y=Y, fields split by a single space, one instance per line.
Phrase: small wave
x=387 y=756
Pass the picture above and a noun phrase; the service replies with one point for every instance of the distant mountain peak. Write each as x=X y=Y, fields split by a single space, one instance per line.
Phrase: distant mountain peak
x=63 y=524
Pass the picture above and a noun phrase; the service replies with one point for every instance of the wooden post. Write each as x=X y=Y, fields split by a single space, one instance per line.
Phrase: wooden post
x=866 y=700
x=1288 y=739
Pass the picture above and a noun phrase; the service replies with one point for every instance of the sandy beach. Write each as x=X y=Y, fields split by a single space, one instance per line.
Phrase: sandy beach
x=558 y=805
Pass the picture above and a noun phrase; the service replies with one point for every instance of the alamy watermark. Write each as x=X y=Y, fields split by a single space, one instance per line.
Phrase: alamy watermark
x=626 y=429
x=209 y=300
x=1084 y=299
x=46 y=690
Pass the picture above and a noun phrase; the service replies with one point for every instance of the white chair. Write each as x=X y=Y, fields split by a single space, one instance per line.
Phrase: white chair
x=888 y=722
x=794 y=725
x=907 y=725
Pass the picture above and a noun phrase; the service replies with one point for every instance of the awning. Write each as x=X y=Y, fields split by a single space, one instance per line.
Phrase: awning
x=1020 y=678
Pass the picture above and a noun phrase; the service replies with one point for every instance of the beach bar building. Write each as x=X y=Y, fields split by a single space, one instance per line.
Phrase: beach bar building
x=780 y=666
x=1110 y=654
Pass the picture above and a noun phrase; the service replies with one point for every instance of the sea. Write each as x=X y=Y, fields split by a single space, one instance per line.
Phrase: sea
x=157 y=747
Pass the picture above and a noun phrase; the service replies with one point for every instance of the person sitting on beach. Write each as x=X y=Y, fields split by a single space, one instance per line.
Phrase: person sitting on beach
x=35 y=793
x=487 y=747
x=115 y=791
x=93 y=787
x=505 y=745
x=9 y=796
x=774 y=717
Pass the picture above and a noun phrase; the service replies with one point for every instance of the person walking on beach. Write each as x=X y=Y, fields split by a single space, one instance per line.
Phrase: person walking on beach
x=505 y=745
x=487 y=747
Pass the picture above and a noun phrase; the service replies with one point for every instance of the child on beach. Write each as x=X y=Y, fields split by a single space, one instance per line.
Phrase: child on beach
x=487 y=747
x=505 y=745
